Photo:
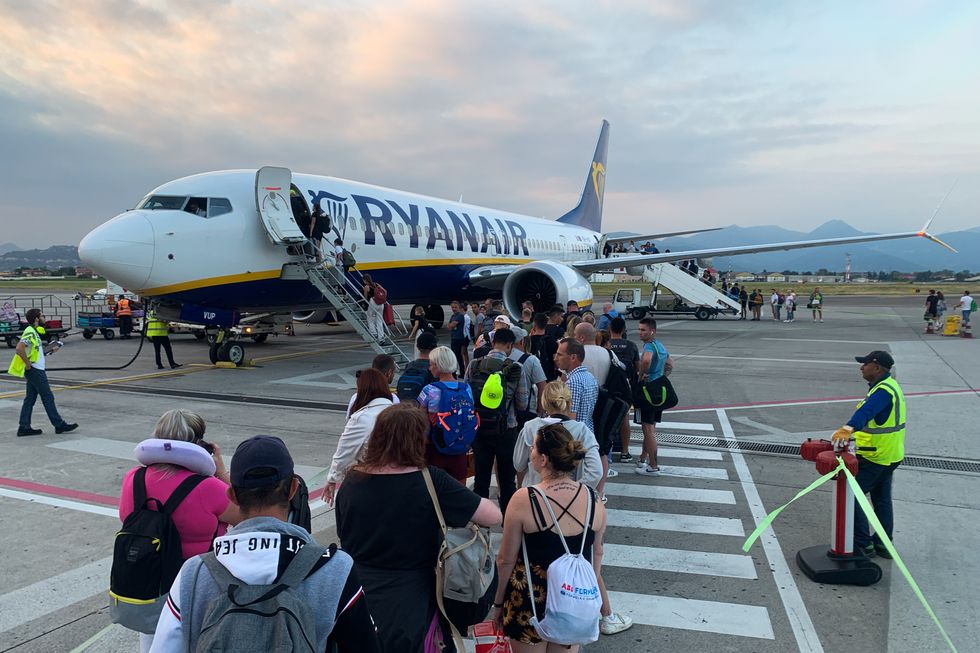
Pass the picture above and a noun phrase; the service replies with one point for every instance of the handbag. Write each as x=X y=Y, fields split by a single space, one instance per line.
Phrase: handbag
x=659 y=393
x=466 y=571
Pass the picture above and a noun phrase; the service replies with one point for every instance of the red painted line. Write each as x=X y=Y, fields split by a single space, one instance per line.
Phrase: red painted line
x=818 y=399
x=59 y=491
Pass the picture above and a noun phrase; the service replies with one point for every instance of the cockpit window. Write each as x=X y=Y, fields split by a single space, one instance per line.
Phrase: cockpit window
x=163 y=203
x=218 y=206
x=197 y=206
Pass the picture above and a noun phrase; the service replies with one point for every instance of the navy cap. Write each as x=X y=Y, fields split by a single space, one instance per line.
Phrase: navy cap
x=427 y=341
x=883 y=358
x=262 y=452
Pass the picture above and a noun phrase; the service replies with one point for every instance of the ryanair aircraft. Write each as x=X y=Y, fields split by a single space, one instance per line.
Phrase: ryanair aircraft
x=209 y=247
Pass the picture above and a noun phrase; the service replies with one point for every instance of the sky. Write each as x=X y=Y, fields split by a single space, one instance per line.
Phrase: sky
x=721 y=112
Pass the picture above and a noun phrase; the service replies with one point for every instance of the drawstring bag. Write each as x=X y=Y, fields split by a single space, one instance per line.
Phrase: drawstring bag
x=572 y=605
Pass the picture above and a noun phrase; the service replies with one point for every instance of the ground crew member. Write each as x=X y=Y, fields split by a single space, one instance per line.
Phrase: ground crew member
x=158 y=331
x=124 y=314
x=878 y=427
x=28 y=363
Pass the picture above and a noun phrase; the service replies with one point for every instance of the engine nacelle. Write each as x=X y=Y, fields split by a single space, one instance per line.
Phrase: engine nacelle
x=545 y=283
x=313 y=317
x=636 y=270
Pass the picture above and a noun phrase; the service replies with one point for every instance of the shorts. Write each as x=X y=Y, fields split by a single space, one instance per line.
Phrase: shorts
x=645 y=413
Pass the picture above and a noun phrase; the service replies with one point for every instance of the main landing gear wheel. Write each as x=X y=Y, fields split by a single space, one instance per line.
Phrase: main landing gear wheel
x=702 y=313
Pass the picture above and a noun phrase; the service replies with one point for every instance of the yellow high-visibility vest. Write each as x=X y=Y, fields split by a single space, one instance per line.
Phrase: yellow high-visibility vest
x=155 y=326
x=887 y=437
x=17 y=365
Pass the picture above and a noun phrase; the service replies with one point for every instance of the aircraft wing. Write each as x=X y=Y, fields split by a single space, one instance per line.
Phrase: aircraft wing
x=642 y=237
x=599 y=265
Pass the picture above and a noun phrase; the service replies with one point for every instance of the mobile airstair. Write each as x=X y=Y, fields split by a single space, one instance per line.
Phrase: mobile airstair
x=688 y=296
x=687 y=286
x=345 y=296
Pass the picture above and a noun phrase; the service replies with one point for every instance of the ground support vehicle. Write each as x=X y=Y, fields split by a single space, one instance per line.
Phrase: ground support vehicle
x=13 y=310
x=96 y=317
x=687 y=295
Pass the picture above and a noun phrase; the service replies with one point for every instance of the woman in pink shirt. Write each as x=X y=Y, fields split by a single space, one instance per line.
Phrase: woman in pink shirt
x=206 y=512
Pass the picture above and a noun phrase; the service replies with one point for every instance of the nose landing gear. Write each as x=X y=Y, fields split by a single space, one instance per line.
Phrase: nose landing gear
x=225 y=350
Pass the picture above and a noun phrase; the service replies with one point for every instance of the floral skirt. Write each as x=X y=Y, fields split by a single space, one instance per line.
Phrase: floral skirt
x=517 y=603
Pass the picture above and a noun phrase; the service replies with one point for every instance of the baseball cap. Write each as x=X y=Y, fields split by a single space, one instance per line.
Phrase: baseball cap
x=883 y=358
x=519 y=333
x=262 y=452
x=427 y=341
x=504 y=319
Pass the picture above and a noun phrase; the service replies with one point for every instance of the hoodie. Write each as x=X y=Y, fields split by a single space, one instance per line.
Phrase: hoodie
x=257 y=552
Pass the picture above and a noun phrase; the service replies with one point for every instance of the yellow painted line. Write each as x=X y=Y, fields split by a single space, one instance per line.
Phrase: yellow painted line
x=307 y=352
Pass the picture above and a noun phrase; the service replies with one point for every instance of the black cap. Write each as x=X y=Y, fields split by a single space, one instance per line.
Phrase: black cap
x=427 y=341
x=262 y=452
x=883 y=358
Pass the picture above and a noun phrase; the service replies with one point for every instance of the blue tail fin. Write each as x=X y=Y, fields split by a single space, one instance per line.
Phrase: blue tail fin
x=588 y=213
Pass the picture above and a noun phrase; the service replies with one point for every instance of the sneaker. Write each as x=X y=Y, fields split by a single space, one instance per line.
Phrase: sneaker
x=882 y=551
x=159 y=367
x=646 y=470
x=612 y=473
x=66 y=428
x=28 y=431
x=614 y=623
x=625 y=458
x=866 y=551
x=176 y=365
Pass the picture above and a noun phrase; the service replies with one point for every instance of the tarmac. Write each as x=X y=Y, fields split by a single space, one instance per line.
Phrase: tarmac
x=673 y=558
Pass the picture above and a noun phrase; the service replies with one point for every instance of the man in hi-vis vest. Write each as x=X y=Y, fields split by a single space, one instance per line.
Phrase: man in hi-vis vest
x=878 y=429
x=28 y=363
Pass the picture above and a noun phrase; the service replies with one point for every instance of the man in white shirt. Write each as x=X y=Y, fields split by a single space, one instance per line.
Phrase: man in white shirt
x=774 y=304
x=966 y=307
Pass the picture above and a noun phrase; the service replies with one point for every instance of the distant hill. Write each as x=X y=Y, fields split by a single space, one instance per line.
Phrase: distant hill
x=909 y=255
x=8 y=247
x=52 y=258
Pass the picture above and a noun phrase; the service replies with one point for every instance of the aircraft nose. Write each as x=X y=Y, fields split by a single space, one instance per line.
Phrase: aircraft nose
x=121 y=250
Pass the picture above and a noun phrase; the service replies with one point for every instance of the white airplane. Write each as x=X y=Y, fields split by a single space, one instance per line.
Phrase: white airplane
x=209 y=247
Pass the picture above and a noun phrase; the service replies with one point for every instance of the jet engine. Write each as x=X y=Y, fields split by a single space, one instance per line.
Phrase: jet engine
x=545 y=283
x=313 y=317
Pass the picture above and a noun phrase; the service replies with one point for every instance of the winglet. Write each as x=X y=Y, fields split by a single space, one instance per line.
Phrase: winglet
x=932 y=217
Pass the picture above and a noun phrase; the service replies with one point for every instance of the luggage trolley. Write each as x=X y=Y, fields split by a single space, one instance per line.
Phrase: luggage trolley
x=13 y=321
x=95 y=316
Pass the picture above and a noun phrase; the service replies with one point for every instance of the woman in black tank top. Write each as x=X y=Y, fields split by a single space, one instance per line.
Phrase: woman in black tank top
x=554 y=456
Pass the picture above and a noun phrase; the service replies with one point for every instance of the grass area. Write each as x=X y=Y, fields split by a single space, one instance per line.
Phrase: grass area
x=52 y=285
x=891 y=289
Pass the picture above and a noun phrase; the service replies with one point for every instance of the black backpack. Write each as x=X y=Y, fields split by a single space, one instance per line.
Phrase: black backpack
x=493 y=421
x=544 y=347
x=299 y=506
x=617 y=381
x=146 y=555
x=415 y=377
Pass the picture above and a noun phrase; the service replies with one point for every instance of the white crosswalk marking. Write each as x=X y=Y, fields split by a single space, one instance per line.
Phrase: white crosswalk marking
x=691 y=614
x=678 y=561
x=694 y=454
x=670 y=493
x=665 y=521
x=687 y=472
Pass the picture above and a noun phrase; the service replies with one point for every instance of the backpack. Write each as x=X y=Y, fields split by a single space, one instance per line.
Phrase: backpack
x=146 y=556
x=247 y=617
x=571 y=614
x=973 y=306
x=458 y=421
x=415 y=377
x=494 y=385
x=380 y=295
x=466 y=571
x=347 y=259
x=299 y=506
x=544 y=347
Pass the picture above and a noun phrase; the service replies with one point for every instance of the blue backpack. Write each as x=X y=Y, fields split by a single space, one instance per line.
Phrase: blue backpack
x=455 y=429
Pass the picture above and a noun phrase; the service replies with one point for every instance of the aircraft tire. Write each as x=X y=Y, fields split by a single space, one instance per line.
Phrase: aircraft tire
x=213 y=353
x=233 y=352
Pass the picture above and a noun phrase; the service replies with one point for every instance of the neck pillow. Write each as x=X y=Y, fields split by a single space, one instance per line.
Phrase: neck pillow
x=175 y=452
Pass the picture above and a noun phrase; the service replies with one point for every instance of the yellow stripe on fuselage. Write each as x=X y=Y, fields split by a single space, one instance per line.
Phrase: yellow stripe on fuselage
x=273 y=274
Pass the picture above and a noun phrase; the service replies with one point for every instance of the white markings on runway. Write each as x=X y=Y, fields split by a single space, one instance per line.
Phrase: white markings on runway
x=668 y=493
x=123 y=450
x=345 y=374
x=59 y=503
x=51 y=594
x=685 y=426
x=807 y=640
x=848 y=342
x=668 y=521
x=678 y=561
x=756 y=359
x=691 y=614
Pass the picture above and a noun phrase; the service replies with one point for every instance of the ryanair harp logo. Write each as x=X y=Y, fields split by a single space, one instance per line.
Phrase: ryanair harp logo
x=598 y=180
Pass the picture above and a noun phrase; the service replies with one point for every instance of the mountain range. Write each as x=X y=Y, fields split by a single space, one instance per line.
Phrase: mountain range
x=908 y=255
